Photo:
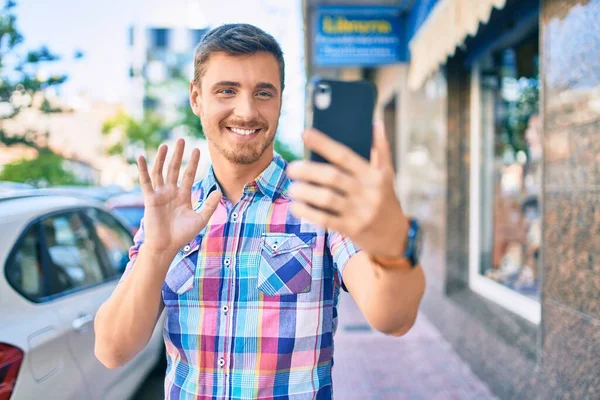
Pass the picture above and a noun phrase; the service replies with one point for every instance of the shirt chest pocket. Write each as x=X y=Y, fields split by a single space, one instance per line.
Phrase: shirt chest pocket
x=285 y=263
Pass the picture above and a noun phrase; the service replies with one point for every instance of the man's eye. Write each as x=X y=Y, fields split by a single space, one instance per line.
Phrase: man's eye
x=226 y=91
x=264 y=94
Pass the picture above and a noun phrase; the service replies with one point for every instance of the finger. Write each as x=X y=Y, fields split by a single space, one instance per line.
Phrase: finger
x=381 y=145
x=322 y=174
x=374 y=157
x=190 y=171
x=208 y=208
x=145 y=181
x=157 y=170
x=175 y=164
x=318 y=217
x=335 y=152
x=319 y=196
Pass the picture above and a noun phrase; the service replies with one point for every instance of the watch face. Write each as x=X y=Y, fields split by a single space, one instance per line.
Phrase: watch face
x=418 y=245
x=417 y=242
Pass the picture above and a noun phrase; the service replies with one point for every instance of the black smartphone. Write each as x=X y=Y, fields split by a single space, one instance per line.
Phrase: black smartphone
x=343 y=110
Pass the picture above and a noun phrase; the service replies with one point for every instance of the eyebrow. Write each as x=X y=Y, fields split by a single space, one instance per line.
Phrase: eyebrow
x=261 y=85
x=227 y=83
x=266 y=85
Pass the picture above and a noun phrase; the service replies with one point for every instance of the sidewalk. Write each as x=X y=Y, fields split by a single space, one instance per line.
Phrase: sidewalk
x=419 y=365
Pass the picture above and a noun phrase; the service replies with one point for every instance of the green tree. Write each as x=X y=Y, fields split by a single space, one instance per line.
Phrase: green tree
x=134 y=135
x=44 y=170
x=21 y=82
x=285 y=151
x=23 y=87
x=178 y=85
x=191 y=122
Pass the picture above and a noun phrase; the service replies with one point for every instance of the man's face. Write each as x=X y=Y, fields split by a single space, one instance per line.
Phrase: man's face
x=239 y=103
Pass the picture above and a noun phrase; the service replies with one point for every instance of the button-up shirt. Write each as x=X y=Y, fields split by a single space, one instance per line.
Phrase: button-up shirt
x=251 y=301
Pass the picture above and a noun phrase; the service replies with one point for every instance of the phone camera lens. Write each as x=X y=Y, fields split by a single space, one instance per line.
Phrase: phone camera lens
x=322 y=97
x=323 y=89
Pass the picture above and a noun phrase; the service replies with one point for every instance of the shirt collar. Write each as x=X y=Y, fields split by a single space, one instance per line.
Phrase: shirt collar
x=272 y=182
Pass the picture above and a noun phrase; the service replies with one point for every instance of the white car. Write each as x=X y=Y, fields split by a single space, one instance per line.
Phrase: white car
x=61 y=258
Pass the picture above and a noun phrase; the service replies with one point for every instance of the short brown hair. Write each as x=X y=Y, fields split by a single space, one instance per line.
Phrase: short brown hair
x=236 y=39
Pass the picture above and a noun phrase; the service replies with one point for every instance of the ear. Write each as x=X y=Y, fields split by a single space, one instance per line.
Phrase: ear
x=195 y=98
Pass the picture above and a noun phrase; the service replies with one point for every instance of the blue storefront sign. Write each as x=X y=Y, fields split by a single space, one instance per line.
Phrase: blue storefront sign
x=358 y=36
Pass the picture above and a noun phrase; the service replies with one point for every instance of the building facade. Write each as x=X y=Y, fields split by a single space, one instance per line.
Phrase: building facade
x=491 y=107
x=161 y=68
x=162 y=65
x=76 y=135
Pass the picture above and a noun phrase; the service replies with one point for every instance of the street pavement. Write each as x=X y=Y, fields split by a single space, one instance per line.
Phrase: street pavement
x=421 y=365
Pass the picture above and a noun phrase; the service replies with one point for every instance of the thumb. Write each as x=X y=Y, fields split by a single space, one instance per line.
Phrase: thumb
x=381 y=147
x=209 y=207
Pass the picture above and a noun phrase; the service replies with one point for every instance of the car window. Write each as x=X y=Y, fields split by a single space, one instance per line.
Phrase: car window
x=115 y=239
x=24 y=270
x=133 y=215
x=72 y=252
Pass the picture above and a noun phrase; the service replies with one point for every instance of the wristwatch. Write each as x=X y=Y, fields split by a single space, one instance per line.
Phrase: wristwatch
x=411 y=253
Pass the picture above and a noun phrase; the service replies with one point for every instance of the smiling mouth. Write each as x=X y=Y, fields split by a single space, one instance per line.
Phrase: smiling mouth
x=243 y=132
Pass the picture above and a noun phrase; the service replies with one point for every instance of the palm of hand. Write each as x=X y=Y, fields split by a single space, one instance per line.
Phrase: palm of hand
x=169 y=219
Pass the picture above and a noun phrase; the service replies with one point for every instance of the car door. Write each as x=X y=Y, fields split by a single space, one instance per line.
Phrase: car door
x=75 y=256
x=30 y=323
x=115 y=240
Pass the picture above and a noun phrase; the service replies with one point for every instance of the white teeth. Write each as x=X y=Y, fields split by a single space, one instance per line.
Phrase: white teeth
x=243 y=131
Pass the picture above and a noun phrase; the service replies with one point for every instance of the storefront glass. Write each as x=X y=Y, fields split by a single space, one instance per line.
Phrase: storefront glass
x=511 y=167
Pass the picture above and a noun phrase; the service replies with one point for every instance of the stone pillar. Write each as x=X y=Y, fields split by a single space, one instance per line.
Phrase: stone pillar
x=459 y=133
x=570 y=34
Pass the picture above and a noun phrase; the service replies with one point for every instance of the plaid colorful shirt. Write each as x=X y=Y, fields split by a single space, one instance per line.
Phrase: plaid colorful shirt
x=251 y=301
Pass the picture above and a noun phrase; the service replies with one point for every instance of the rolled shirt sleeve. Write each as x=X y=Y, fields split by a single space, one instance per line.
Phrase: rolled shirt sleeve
x=138 y=239
x=342 y=249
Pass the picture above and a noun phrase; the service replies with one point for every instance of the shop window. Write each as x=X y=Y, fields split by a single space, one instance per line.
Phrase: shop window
x=506 y=177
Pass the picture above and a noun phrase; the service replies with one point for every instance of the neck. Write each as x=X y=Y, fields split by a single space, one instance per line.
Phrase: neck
x=233 y=177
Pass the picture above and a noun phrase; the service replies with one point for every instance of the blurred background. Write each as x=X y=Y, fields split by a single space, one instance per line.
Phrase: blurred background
x=113 y=83
x=492 y=109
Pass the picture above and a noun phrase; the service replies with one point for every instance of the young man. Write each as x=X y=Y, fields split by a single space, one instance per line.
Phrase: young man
x=250 y=269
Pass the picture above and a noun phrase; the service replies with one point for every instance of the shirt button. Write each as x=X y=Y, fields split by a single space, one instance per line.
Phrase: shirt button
x=187 y=248
x=225 y=309
x=221 y=362
x=227 y=262
x=274 y=246
x=234 y=216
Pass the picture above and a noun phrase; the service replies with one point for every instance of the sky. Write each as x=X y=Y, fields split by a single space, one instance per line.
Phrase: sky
x=99 y=29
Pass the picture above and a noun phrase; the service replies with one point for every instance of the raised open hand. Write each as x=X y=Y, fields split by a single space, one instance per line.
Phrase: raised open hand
x=169 y=219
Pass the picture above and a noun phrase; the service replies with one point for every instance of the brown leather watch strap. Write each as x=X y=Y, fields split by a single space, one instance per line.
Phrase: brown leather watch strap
x=392 y=262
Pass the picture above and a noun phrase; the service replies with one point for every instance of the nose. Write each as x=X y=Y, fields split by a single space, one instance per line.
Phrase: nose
x=245 y=108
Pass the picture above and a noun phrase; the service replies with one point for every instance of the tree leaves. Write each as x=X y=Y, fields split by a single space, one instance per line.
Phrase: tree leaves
x=20 y=84
x=46 y=169
x=43 y=54
x=147 y=132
